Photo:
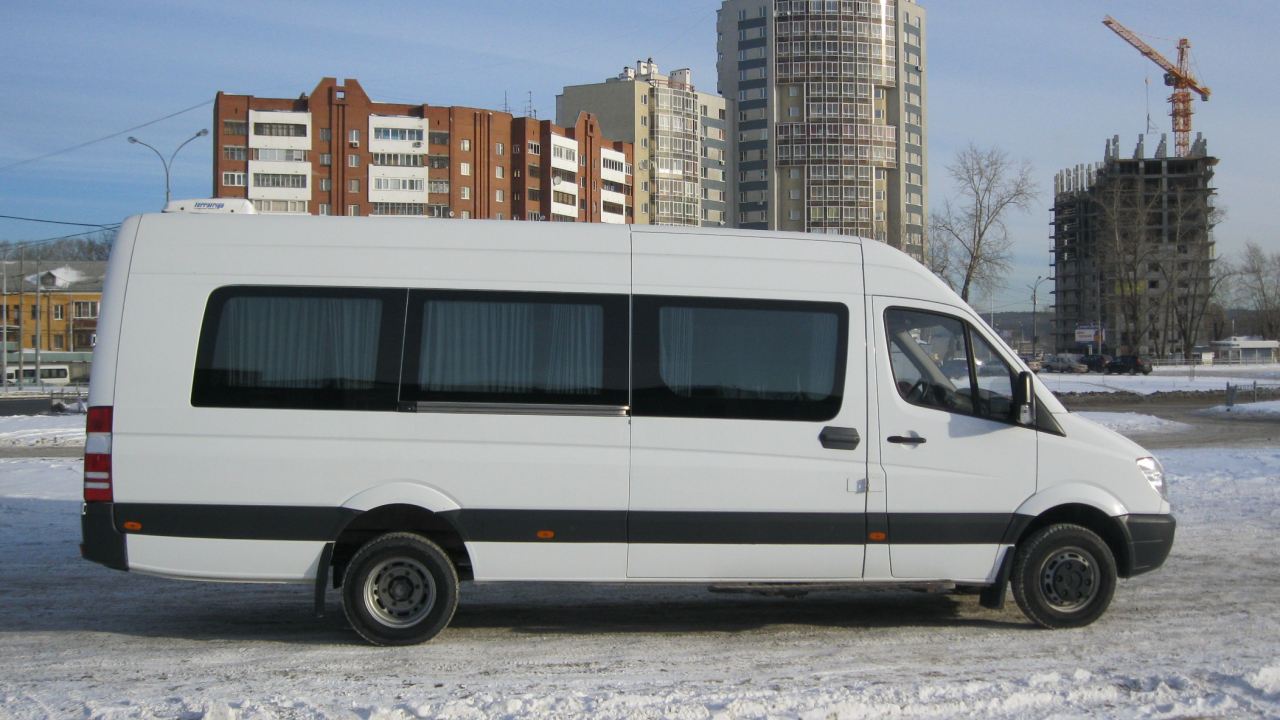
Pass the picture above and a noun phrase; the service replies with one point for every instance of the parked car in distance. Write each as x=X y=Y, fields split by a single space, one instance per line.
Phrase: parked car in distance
x=1095 y=363
x=1034 y=363
x=1064 y=364
x=1131 y=364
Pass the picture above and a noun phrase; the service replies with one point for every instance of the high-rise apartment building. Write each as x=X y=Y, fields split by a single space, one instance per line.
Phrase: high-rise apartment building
x=1133 y=251
x=336 y=152
x=678 y=135
x=829 y=122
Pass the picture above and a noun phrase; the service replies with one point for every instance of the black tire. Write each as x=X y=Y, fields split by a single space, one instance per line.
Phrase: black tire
x=1063 y=576
x=399 y=589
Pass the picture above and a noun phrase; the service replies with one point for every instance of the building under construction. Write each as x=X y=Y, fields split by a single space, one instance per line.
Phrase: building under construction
x=1133 y=252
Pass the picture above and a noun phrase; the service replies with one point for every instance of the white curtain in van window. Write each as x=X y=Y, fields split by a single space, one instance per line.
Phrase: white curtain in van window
x=511 y=347
x=299 y=342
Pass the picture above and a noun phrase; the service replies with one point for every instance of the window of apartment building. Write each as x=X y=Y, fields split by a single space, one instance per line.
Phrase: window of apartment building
x=438 y=162
x=499 y=172
x=59 y=342
x=323 y=209
x=644 y=121
x=535 y=195
x=464 y=168
x=353 y=185
x=410 y=184
x=383 y=133
x=326 y=159
x=234 y=152
x=562 y=198
x=279 y=180
x=499 y=196
x=353 y=160
x=353 y=210
x=464 y=145
x=438 y=138
x=235 y=127
x=84 y=309
x=535 y=148
x=464 y=192
x=398 y=159
x=499 y=149
x=399 y=208
x=233 y=179
x=353 y=136
x=465 y=214
x=326 y=134
x=439 y=187
x=59 y=312
x=280 y=129
x=280 y=206
x=326 y=184
x=279 y=155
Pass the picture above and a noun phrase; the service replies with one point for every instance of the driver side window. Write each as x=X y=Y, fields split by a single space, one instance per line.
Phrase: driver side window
x=940 y=362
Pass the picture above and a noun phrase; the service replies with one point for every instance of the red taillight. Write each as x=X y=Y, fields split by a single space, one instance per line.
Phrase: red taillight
x=97 y=455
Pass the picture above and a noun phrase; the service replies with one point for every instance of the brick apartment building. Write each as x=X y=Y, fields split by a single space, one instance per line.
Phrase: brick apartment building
x=336 y=152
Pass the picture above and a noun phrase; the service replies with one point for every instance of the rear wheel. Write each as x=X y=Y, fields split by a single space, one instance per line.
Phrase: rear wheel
x=1064 y=576
x=399 y=589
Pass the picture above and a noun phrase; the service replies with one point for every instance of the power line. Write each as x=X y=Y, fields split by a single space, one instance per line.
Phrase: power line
x=10 y=166
x=53 y=222
x=27 y=243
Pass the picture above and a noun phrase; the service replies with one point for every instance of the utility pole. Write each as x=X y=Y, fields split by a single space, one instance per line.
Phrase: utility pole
x=1035 y=286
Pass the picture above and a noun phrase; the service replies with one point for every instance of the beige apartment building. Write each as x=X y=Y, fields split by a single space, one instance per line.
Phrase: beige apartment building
x=678 y=135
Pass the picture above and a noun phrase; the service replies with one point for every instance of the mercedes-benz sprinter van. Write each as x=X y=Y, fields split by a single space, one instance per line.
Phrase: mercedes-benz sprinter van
x=393 y=405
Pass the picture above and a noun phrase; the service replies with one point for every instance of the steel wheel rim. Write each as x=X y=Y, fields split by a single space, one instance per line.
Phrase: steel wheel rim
x=1069 y=579
x=399 y=592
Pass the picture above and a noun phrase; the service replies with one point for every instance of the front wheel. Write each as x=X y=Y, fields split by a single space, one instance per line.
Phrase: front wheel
x=1064 y=576
x=399 y=589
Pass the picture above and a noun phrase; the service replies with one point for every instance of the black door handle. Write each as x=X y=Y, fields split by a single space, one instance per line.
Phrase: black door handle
x=902 y=440
x=839 y=438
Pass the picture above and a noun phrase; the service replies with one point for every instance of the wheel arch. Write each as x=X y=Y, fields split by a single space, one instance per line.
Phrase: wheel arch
x=1106 y=526
x=400 y=517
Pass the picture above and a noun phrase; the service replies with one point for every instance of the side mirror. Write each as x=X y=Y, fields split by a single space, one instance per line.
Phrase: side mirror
x=1024 y=399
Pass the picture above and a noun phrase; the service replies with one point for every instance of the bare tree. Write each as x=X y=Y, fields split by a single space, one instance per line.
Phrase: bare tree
x=970 y=234
x=1191 y=275
x=1258 y=287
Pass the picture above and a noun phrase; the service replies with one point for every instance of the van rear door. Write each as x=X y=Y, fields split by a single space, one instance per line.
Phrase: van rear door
x=749 y=409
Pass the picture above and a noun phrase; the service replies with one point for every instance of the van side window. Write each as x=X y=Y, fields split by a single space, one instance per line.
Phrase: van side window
x=940 y=362
x=516 y=347
x=734 y=358
x=299 y=348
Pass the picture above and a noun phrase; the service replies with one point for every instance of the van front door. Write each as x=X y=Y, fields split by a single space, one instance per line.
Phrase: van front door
x=956 y=462
x=749 y=418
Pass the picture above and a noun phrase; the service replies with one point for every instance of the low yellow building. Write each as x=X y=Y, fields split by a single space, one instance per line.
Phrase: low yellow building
x=52 y=305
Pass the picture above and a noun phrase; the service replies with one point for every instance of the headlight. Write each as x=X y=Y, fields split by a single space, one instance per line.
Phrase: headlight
x=1154 y=472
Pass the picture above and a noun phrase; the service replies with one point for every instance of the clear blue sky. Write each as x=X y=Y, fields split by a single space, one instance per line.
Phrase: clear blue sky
x=1044 y=81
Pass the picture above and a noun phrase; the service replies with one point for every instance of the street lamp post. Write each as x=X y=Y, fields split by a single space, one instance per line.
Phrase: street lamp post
x=168 y=163
x=1035 y=286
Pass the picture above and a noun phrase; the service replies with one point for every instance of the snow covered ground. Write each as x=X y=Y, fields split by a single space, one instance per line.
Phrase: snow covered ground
x=1164 y=379
x=1264 y=408
x=41 y=430
x=1130 y=423
x=1198 y=638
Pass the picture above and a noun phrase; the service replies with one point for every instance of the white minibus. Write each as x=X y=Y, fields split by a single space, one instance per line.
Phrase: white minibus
x=390 y=406
x=49 y=375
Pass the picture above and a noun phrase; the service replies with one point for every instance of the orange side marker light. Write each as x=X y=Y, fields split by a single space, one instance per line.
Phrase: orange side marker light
x=877 y=536
x=546 y=534
x=132 y=525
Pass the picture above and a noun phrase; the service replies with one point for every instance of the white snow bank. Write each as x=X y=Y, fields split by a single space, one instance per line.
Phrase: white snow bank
x=1133 y=423
x=1148 y=384
x=1198 y=638
x=1263 y=408
x=41 y=430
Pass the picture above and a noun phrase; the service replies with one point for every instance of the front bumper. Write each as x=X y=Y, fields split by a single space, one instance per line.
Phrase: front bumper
x=99 y=539
x=1150 y=538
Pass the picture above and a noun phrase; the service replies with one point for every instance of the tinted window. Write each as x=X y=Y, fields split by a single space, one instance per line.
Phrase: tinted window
x=505 y=347
x=305 y=348
x=731 y=358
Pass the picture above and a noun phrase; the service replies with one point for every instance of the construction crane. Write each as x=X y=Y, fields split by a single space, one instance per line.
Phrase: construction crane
x=1178 y=77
